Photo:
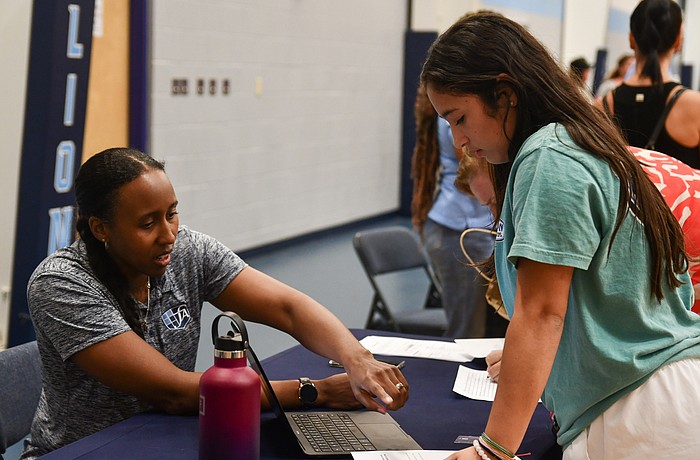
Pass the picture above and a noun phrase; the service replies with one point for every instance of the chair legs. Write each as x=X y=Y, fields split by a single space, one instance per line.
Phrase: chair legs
x=379 y=309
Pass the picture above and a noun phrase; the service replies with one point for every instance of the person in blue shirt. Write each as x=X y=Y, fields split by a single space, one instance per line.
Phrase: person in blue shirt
x=590 y=260
x=440 y=214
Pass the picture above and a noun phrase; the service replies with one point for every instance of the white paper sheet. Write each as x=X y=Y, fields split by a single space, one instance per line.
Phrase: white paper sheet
x=403 y=455
x=474 y=384
x=479 y=348
x=433 y=349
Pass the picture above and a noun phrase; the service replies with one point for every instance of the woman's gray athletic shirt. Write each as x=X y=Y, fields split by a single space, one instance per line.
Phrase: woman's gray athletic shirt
x=71 y=310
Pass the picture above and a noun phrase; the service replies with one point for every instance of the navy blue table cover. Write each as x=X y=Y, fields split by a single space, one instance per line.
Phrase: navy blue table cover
x=434 y=416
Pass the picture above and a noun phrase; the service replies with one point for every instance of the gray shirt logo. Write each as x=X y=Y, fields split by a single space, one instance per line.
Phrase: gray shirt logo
x=176 y=318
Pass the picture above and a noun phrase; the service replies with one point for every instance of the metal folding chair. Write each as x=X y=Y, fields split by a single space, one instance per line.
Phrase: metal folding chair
x=393 y=250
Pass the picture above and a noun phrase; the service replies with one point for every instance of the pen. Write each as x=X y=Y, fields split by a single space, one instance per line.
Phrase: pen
x=399 y=365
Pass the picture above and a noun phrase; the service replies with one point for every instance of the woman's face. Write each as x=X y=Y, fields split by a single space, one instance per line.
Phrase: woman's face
x=474 y=127
x=142 y=231
x=625 y=67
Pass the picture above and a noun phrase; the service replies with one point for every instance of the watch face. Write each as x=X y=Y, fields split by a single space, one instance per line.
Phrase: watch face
x=308 y=393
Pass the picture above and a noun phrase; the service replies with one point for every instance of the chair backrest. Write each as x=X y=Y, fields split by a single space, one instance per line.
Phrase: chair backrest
x=389 y=250
x=385 y=250
x=20 y=388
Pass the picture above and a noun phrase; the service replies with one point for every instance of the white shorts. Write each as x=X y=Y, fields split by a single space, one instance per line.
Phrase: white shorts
x=660 y=419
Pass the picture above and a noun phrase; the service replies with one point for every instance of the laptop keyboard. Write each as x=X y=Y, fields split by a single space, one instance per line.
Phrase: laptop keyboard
x=331 y=432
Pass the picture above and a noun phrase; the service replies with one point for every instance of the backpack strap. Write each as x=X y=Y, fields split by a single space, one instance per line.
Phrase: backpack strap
x=651 y=143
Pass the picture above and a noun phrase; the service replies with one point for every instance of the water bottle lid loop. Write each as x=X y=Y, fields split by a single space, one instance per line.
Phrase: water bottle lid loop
x=235 y=340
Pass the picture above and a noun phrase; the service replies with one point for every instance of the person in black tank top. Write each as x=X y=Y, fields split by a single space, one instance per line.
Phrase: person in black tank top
x=640 y=106
x=637 y=112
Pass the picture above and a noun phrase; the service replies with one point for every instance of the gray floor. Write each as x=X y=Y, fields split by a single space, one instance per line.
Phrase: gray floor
x=323 y=266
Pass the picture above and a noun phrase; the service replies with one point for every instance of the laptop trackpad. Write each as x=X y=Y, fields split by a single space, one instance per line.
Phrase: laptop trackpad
x=386 y=436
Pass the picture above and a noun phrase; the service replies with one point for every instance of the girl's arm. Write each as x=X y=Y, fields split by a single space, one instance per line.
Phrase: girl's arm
x=531 y=345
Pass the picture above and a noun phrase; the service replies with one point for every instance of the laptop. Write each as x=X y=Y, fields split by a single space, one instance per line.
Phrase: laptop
x=332 y=432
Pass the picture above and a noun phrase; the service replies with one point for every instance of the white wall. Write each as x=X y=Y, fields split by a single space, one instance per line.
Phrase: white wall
x=617 y=31
x=585 y=29
x=309 y=137
x=691 y=44
x=439 y=15
x=542 y=17
x=15 y=23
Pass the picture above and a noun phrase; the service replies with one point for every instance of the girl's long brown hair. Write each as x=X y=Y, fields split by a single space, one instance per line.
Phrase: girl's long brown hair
x=425 y=163
x=484 y=52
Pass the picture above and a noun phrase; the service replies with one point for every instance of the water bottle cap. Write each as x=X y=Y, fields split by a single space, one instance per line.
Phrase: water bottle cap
x=229 y=342
x=231 y=345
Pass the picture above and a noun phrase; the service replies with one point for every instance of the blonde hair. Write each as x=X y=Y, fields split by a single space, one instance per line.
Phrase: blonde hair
x=469 y=167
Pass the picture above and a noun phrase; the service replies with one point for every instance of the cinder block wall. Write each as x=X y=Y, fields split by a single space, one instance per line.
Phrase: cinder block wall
x=308 y=136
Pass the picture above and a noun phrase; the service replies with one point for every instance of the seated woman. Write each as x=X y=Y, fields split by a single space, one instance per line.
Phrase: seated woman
x=117 y=313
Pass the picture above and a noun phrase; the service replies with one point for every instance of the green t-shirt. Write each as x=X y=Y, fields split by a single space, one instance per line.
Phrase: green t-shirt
x=560 y=208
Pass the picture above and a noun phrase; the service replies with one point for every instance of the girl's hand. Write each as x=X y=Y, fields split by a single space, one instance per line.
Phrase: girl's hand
x=493 y=360
x=465 y=454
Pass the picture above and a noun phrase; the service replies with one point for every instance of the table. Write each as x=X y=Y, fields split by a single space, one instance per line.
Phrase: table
x=434 y=416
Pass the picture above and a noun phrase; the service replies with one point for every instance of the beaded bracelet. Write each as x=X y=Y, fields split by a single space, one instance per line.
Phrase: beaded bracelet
x=479 y=450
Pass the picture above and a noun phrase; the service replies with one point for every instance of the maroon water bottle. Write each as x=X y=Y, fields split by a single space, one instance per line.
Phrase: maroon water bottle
x=229 y=399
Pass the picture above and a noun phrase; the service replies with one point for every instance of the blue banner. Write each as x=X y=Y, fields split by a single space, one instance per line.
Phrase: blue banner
x=54 y=125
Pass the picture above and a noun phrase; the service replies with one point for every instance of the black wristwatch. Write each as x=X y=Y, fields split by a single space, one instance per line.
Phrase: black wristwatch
x=307 y=392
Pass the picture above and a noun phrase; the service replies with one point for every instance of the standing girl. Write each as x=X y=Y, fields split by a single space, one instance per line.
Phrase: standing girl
x=589 y=258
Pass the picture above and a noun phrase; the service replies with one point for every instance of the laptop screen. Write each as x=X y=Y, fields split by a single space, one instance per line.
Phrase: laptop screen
x=267 y=387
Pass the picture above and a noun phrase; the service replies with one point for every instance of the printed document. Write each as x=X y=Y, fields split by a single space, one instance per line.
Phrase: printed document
x=474 y=384
x=479 y=348
x=433 y=349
